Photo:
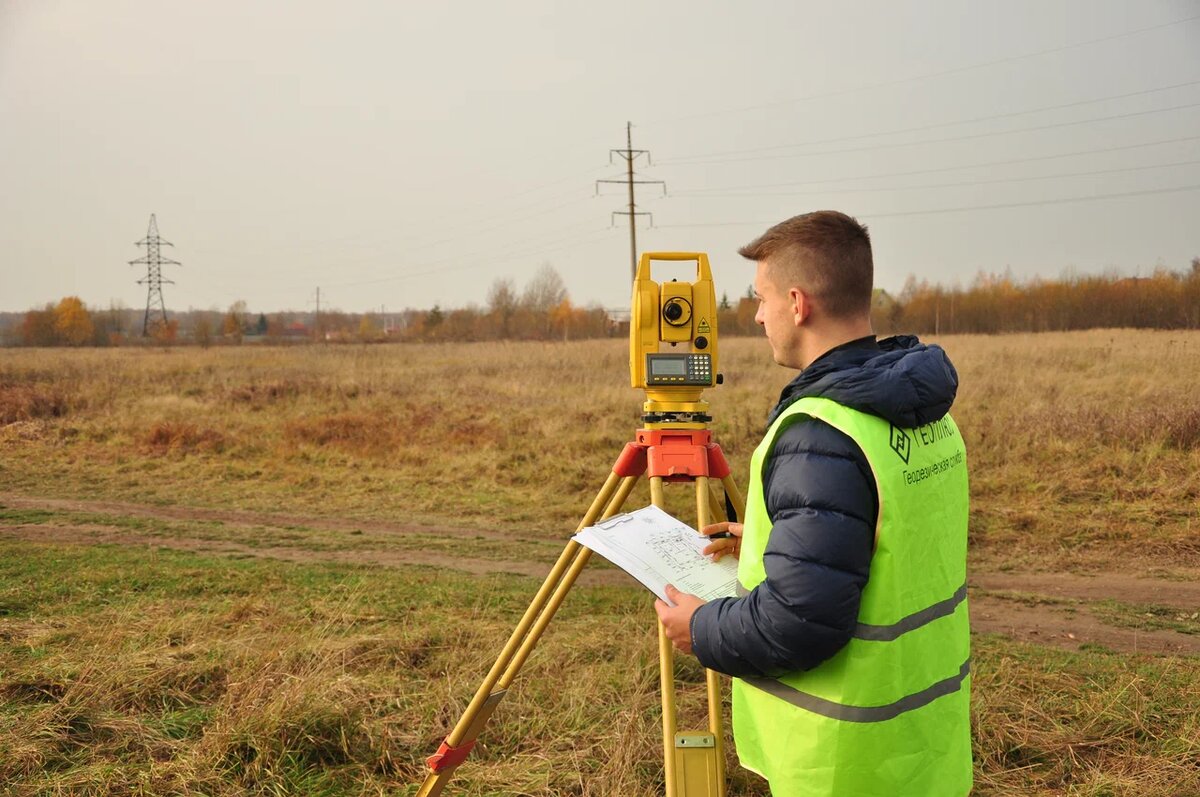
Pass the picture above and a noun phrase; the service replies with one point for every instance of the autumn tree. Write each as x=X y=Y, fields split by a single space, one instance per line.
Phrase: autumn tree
x=110 y=325
x=542 y=294
x=465 y=323
x=234 y=323
x=1191 y=295
x=277 y=324
x=202 y=331
x=432 y=322
x=560 y=317
x=367 y=329
x=37 y=328
x=73 y=322
x=165 y=333
x=502 y=305
x=545 y=291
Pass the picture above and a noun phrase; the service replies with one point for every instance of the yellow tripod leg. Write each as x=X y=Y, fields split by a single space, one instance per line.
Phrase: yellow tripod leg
x=522 y=641
x=712 y=680
x=666 y=672
x=560 y=593
x=735 y=497
x=699 y=757
x=716 y=508
x=693 y=761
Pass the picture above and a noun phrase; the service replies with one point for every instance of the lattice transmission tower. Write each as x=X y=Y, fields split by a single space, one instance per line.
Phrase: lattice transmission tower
x=154 y=261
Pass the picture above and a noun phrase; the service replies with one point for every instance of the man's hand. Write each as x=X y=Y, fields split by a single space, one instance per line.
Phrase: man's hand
x=719 y=547
x=677 y=619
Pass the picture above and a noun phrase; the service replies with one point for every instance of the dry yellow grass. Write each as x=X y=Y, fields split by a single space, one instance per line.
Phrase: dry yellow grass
x=1079 y=442
x=140 y=671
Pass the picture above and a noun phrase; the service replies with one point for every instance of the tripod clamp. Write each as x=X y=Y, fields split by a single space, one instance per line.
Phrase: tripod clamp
x=448 y=757
x=675 y=455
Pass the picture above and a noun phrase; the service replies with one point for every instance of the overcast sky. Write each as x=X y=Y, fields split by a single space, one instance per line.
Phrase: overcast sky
x=403 y=154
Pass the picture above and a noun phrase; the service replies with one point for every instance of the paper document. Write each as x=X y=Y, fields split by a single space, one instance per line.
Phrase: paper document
x=657 y=550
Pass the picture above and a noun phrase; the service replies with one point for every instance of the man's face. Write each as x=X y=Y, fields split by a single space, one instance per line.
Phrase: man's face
x=778 y=309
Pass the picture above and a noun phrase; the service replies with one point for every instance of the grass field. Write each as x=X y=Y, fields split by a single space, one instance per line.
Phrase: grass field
x=284 y=571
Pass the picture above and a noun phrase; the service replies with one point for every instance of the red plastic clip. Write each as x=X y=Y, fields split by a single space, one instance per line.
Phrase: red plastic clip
x=632 y=461
x=447 y=757
x=718 y=466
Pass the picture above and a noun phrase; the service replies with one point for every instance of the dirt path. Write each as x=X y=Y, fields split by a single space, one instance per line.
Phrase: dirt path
x=1111 y=610
x=235 y=517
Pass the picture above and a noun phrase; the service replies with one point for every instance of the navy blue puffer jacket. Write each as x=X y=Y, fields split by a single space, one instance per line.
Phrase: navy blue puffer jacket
x=823 y=505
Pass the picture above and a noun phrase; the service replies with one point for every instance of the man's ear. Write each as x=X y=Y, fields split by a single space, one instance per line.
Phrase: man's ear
x=801 y=306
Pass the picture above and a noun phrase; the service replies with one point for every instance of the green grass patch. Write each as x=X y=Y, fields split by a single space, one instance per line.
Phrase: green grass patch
x=17 y=517
x=1148 y=616
x=171 y=672
x=1091 y=723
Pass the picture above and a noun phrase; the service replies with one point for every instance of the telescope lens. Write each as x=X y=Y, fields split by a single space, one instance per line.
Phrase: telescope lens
x=673 y=311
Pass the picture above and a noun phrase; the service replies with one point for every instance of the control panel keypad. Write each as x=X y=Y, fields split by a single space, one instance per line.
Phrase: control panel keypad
x=699 y=368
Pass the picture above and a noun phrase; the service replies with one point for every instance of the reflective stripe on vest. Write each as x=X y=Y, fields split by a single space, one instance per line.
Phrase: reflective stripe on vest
x=886 y=633
x=838 y=711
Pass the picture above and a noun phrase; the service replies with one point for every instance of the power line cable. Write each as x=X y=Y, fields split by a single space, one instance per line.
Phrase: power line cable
x=1006 y=115
x=961 y=209
x=960 y=184
x=968 y=137
x=927 y=76
x=700 y=191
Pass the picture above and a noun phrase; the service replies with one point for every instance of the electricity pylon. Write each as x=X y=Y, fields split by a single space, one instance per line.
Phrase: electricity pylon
x=154 y=262
x=630 y=154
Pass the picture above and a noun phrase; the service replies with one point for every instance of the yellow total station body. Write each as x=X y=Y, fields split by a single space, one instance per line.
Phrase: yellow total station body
x=673 y=342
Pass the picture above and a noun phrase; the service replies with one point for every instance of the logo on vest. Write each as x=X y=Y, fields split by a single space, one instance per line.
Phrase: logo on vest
x=900 y=443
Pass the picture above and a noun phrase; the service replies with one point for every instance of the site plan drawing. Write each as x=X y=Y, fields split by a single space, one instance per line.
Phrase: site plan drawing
x=658 y=549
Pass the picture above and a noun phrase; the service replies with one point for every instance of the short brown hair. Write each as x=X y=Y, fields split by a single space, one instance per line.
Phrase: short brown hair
x=827 y=254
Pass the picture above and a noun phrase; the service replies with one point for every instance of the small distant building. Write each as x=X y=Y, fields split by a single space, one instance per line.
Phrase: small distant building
x=297 y=330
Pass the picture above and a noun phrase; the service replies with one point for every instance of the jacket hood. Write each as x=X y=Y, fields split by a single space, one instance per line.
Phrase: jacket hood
x=901 y=380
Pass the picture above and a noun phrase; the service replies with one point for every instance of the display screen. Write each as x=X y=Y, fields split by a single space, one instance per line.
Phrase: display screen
x=668 y=367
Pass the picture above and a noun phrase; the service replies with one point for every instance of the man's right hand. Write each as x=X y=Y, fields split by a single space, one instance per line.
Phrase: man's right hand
x=731 y=545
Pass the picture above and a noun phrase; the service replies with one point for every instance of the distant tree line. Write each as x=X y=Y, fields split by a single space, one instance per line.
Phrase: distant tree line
x=998 y=303
x=70 y=323
x=543 y=311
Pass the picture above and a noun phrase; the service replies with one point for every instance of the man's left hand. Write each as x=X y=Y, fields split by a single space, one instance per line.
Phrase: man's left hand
x=677 y=619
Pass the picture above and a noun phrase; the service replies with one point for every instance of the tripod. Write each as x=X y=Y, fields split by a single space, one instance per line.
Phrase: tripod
x=694 y=761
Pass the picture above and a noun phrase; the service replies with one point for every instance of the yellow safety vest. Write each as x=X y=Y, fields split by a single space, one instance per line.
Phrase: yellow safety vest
x=888 y=715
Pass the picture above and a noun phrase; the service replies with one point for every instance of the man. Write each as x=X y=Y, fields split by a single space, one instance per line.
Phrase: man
x=849 y=643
